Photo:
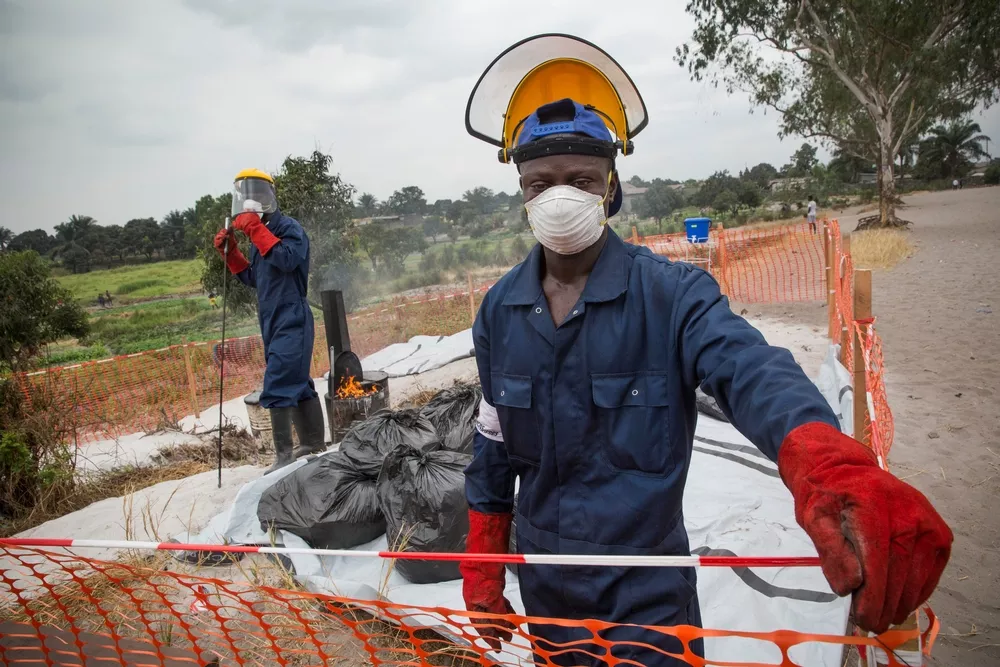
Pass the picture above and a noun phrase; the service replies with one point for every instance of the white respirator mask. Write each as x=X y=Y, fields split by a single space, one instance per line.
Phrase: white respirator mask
x=567 y=220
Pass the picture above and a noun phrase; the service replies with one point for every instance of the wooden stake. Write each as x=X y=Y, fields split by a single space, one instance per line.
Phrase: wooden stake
x=862 y=311
x=635 y=236
x=845 y=326
x=192 y=387
x=831 y=302
x=472 y=300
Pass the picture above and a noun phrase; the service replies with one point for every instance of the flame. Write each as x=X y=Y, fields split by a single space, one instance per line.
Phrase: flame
x=351 y=388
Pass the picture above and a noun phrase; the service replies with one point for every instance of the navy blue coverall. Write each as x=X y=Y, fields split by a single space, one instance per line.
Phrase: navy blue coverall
x=281 y=279
x=598 y=418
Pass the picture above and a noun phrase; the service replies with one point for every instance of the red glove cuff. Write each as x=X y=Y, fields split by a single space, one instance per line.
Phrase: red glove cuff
x=483 y=583
x=251 y=225
x=235 y=261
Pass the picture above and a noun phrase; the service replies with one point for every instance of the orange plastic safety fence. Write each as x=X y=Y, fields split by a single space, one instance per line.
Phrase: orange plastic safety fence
x=880 y=427
x=775 y=264
x=139 y=392
x=57 y=608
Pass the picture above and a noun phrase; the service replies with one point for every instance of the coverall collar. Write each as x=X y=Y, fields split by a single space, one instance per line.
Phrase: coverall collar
x=607 y=281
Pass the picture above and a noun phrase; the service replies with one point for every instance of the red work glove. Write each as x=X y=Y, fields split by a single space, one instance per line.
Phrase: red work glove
x=235 y=261
x=877 y=537
x=250 y=224
x=483 y=583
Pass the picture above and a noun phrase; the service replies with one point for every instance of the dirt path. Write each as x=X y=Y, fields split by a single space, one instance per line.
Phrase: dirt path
x=939 y=317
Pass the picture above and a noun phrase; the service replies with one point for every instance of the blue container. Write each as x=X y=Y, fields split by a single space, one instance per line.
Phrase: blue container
x=697 y=229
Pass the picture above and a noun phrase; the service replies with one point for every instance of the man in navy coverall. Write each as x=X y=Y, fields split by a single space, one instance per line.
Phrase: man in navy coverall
x=278 y=269
x=589 y=354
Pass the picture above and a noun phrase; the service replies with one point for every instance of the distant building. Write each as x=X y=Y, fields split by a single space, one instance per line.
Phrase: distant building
x=631 y=196
x=391 y=221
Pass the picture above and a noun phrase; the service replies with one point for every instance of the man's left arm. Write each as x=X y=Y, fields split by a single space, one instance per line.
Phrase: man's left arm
x=877 y=537
x=760 y=388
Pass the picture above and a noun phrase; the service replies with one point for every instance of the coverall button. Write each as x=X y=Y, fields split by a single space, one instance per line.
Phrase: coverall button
x=635 y=392
x=538 y=310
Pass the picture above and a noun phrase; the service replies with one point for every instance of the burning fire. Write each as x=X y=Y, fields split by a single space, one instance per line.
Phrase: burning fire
x=351 y=388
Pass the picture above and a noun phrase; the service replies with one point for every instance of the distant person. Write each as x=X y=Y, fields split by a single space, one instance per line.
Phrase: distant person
x=107 y=297
x=211 y=300
x=100 y=300
x=811 y=213
x=954 y=184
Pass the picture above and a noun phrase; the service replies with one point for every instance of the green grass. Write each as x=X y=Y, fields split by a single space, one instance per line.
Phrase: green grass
x=138 y=281
x=157 y=324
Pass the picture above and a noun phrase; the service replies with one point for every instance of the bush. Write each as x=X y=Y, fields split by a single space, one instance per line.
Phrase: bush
x=992 y=175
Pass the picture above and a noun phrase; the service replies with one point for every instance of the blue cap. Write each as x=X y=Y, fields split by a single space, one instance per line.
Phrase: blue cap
x=585 y=122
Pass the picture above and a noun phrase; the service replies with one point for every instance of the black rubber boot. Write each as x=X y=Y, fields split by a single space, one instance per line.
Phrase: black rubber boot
x=281 y=431
x=308 y=420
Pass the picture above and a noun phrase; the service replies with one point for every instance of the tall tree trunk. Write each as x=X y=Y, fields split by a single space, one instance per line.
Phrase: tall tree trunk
x=886 y=180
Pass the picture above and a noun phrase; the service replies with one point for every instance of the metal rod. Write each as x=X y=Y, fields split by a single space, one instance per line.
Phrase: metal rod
x=222 y=345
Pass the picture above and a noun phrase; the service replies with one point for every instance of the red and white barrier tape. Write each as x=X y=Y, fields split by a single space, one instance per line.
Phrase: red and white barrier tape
x=527 y=559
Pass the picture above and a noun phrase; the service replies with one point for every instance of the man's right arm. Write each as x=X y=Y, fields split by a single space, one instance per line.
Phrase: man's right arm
x=489 y=479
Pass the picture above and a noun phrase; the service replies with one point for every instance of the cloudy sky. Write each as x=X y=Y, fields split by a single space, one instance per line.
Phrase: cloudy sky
x=124 y=108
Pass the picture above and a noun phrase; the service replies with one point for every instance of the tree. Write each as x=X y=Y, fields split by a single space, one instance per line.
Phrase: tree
x=6 y=236
x=762 y=174
x=456 y=209
x=718 y=182
x=367 y=205
x=480 y=199
x=803 y=160
x=142 y=236
x=725 y=201
x=37 y=239
x=659 y=201
x=749 y=194
x=388 y=248
x=322 y=203
x=440 y=207
x=950 y=150
x=847 y=166
x=36 y=309
x=172 y=236
x=432 y=227
x=114 y=242
x=210 y=214
x=408 y=201
x=866 y=75
x=992 y=174
x=638 y=182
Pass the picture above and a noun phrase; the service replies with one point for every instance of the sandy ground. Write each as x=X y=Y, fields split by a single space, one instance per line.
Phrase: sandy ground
x=937 y=314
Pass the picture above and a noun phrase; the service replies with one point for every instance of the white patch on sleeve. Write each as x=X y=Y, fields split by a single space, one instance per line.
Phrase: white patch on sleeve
x=488 y=422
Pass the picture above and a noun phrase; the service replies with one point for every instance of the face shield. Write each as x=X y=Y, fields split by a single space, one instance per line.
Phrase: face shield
x=254 y=194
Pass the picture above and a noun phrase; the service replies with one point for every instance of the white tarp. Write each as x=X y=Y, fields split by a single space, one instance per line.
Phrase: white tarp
x=734 y=504
x=420 y=354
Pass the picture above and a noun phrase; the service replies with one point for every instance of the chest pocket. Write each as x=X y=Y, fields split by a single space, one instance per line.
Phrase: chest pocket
x=633 y=415
x=518 y=422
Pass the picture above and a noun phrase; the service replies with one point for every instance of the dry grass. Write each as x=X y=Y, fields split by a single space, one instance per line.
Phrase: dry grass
x=173 y=463
x=880 y=248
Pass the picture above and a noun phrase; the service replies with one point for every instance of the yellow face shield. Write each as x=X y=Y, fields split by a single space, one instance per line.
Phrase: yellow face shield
x=546 y=68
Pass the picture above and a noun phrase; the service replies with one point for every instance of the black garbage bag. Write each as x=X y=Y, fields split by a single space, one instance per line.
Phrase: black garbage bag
x=453 y=412
x=708 y=406
x=422 y=495
x=367 y=443
x=327 y=502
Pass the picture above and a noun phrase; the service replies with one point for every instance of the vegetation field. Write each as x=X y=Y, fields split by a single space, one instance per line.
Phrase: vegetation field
x=142 y=281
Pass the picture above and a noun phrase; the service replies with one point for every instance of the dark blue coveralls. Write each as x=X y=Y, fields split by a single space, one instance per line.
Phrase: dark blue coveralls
x=598 y=419
x=286 y=323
